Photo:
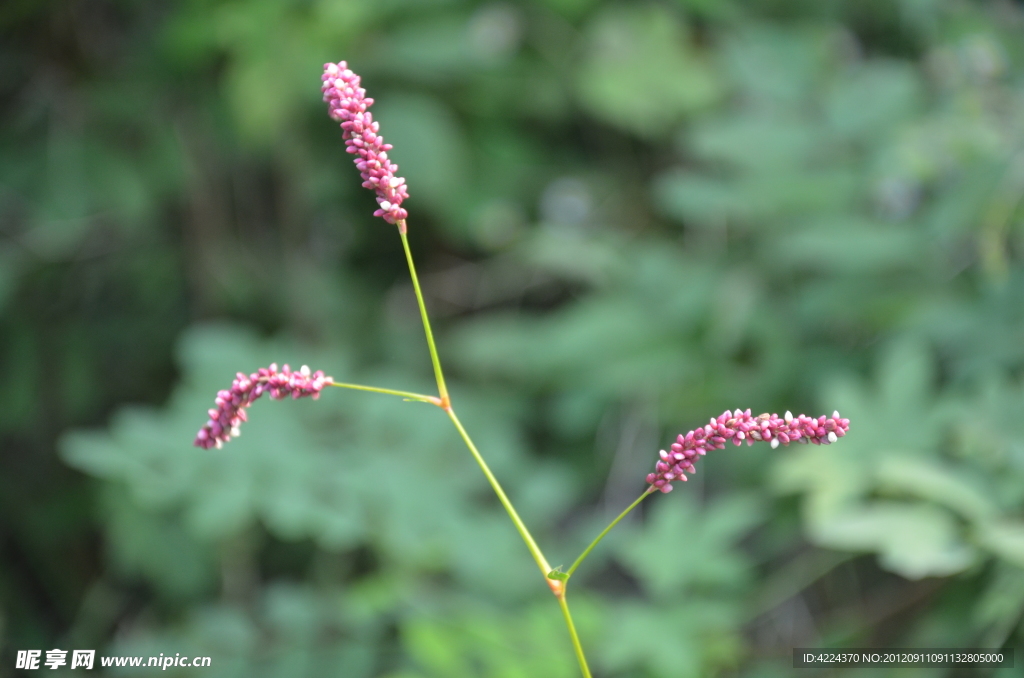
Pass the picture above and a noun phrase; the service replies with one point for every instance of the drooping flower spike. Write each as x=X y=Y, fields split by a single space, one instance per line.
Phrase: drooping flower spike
x=347 y=103
x=739 y=426
x=227 y=417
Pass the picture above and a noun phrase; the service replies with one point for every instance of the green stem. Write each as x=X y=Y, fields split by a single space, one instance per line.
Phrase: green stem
x=542 y=562
x=606 y=530
x=557 y=587
x=433 y=400
x=442 y=390
x=575 y=638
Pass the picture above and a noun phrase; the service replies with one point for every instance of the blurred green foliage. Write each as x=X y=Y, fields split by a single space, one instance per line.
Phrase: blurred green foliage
x=629 y=217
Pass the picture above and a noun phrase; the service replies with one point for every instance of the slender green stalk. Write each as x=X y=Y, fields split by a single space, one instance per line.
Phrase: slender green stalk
x=535 y=551
x=606 y=530
x=433 y=400
x=575 y=638
x=442 y=390
x=557 y=587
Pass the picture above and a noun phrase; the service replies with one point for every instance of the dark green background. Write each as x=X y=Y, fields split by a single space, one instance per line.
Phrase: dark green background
x=628 y=217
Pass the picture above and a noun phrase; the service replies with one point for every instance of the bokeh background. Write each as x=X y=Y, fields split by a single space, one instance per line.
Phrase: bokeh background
x=628 y=217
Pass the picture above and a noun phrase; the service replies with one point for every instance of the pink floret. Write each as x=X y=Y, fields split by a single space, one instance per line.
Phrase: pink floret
x=227 y=417
x=347 y=103
x=740 y=426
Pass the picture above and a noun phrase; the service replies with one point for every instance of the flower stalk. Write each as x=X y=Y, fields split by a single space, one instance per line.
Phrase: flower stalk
x=442 y=389
x=407 y=395
x=605 y=531
x=577 y=647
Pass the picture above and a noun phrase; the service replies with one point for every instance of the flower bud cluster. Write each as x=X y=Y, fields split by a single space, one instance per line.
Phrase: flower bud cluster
x=347 y=103
x=739 y=426
x=227 y=417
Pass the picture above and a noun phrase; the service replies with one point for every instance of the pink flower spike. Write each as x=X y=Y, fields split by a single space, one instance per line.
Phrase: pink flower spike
x=227 y=417
x=740 y=426
x=347 y=103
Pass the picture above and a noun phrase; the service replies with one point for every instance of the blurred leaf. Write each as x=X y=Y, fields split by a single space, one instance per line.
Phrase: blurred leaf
x=292 y=630
x=1005 y=538
x=874 y=97
x=685 y=548
x=707 y=201
x=641 y=71
x=691 y=196
x=850 y=246
x=778 y=64
x=756 y=141
x=912 y=540
x=700 y=639
x=929 y=480
x=999 y=607
x=476 y=642
x=432 y=50
x=10 y=270
x=157 y=548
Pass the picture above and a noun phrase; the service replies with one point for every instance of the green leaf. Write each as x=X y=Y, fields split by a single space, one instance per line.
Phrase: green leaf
x=756 y=141
x=435 y=50
x=778 y=64
x=684 y=547
x=998 y=609
x=848 y=245
x=874 y=98
x=475 y=641
x=914 y=540
x=928 y=479
x=156 y=547
x=1005 y=538
x=700 y=632
x=642 y=72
